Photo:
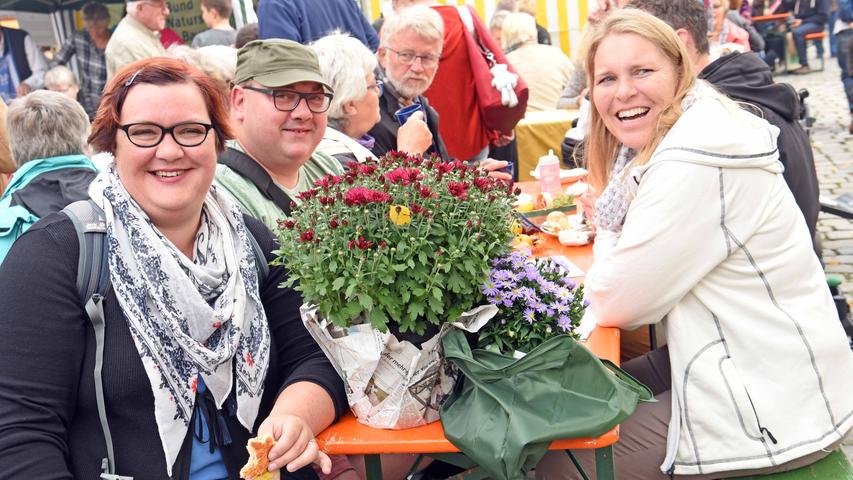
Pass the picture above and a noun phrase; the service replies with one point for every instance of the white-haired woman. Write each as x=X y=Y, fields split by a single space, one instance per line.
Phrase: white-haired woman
x=61 y=79
x=47 y=132
x=545 y=68
x=348 y=67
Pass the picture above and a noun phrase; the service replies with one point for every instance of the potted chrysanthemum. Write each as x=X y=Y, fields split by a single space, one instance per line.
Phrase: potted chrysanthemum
x=401 y=244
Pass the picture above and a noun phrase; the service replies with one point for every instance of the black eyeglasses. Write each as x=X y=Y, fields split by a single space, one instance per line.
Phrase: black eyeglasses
x=147 y=135
x=288 y=100
x=379 y=86
x=408 y=57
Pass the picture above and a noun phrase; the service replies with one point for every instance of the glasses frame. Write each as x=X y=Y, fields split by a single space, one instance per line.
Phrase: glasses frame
x=302 y=96
x=379 y=85
x=422 y=58
x=164 y=130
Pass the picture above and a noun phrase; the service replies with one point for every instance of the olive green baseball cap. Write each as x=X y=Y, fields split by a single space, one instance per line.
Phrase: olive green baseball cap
x=277 y=62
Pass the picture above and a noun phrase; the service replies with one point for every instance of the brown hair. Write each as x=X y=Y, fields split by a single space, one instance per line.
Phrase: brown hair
x=221 y=7
x=601 y=145
x=156 y=71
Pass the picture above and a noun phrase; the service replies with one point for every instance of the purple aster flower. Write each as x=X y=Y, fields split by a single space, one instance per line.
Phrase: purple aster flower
x=502 y=275
x=529 y=315
x=585 y=302
x=564 y=322
x=562 y=308
x=564 y=294
x=571 y=284
x=539 y=306
x=489 y=288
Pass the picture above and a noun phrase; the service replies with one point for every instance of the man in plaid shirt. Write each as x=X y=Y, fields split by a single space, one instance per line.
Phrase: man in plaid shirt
x=89 y=48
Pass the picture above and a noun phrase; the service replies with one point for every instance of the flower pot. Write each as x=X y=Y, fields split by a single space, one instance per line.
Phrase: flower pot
x=391 y=383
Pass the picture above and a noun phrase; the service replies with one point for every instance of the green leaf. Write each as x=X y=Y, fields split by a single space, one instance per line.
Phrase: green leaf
x=338 y=283
x=351 y=288
x=416 y=309
x=378 y=319
x=366 y=301
x=437 y=293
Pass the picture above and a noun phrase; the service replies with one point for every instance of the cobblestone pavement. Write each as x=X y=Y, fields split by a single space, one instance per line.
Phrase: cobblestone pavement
x=833 y=151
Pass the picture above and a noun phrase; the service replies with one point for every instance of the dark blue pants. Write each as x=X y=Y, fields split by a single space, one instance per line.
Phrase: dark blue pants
x=799 y=34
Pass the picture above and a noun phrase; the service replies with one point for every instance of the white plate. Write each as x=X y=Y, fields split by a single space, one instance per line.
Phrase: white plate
x=565 y=175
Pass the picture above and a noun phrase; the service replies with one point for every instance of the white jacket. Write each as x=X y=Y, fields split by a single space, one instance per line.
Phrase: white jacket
x=714 y=246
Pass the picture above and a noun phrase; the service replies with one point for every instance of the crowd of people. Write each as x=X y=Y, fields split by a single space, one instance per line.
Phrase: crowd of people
x=702 y=191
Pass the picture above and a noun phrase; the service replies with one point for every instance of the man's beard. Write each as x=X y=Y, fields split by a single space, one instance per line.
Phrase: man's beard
x=406 y=89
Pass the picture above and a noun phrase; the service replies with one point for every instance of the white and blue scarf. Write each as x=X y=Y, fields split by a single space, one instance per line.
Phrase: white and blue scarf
x=188 y=317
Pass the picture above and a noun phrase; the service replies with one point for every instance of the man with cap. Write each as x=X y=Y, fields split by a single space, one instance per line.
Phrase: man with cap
x=137 y=35
x=279 y=109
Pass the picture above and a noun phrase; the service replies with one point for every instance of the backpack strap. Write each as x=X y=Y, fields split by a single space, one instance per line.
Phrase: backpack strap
x=248 y=168
x=93 y=281
x=260 y=259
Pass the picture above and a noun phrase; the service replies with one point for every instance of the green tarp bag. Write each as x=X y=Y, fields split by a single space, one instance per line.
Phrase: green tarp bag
x=506 y=411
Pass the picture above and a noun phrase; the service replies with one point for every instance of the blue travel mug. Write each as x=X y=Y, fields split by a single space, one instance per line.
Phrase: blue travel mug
x=404 y=113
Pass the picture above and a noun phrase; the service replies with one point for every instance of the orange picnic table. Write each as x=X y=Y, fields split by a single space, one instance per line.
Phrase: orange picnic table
x=349 y=437
x=774 y=17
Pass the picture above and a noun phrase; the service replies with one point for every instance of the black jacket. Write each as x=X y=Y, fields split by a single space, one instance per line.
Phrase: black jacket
x=385 y=132
x=49 y=427
x=745 y=77
x=13 y=40
x=813 y=11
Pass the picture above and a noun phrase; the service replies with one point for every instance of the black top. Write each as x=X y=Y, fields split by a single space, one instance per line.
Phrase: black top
x=385 y=132
x=745 y=77
x=49 y=427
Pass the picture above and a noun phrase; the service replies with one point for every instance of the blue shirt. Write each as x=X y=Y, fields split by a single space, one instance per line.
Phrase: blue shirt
x=304 y=21
x=203 y=464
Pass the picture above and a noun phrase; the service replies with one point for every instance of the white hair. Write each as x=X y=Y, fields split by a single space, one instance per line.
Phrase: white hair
x=420 y=19
x=518 y=28
x=219 y=62
x=60 y=77
x=133 y=7
x=46 y=124
x=344 y=62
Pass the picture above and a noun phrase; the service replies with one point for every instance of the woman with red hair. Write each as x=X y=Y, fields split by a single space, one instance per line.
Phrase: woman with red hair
x=200 y=352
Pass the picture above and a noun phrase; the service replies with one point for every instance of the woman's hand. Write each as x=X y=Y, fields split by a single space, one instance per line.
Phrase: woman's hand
x=493 y=167
x=587 y=200
x=295 y=446
x=414 y=137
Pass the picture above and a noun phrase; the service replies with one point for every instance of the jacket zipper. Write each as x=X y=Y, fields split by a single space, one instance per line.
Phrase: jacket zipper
x=762 y=429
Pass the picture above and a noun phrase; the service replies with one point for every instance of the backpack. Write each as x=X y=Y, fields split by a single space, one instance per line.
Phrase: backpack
x=93 y=283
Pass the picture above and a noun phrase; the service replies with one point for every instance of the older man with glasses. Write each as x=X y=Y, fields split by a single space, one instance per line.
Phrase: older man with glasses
x=279 y=112
x=137 y=35
x=409 y=51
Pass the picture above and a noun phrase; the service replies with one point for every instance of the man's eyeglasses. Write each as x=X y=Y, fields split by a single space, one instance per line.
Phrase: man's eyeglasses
x=288 y=100
x=407 y=57
x=147 y=135
x=379 y=86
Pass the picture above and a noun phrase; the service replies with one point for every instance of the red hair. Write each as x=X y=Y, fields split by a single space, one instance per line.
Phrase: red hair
x=156 y=71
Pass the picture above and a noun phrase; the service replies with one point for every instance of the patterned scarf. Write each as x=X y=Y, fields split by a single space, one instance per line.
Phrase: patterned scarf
x=612 y=206
x=188 y=317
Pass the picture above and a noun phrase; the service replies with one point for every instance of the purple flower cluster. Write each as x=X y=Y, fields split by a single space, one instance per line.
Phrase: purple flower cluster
x=535 y=299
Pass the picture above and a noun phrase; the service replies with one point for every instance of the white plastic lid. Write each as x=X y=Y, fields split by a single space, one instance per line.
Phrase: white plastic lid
x=549 y=159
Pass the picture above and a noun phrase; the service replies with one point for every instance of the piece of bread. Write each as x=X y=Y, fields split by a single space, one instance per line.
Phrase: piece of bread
x=259 y=461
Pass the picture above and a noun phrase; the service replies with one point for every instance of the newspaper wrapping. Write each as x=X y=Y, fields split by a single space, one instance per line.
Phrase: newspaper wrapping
x=389 y=383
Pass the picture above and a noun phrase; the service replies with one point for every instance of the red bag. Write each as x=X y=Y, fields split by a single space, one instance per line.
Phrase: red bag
x=484 y=53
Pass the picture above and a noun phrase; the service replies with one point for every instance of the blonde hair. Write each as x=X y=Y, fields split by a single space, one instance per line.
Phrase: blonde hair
x=601 y=145
x=517 y=29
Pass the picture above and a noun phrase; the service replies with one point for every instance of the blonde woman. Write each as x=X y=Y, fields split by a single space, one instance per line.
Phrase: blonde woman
x=756 y=374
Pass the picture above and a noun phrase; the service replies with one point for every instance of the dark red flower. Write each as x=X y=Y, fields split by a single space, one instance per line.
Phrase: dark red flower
x=288 y=224
x=416 y=209
x=363 y=244
x=458 y=189
x=483 y=184
x=363 y=195
x=426 y=192
x=403 y=176
x=327 y=200
x=443 y=168
x=306 y=236
x=333 y=223
x=383 y=244
x=307 y=194
x=323 y=183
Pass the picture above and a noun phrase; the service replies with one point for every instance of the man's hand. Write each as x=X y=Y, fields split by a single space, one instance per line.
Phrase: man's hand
x=414 y=137
x=493 y=167
x=796 y=22
x=295 y=446
x=23 y=89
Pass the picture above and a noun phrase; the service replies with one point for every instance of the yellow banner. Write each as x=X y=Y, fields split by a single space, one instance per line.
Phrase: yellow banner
x=563 y=18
